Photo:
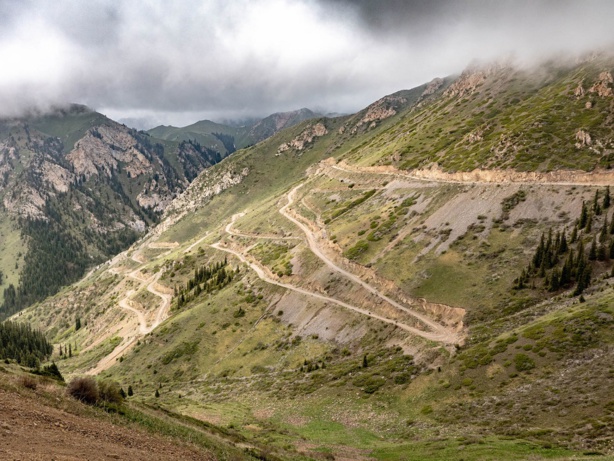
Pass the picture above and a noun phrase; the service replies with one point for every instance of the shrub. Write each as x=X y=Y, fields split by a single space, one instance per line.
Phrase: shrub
x=84 y=389
x=28 y=382
x=523 y=362
x=50 y=370
x=110 y=392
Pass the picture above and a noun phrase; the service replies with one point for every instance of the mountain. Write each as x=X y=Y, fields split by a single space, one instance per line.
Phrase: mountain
x=228 y=138
x=431 y=275
x=76 y=189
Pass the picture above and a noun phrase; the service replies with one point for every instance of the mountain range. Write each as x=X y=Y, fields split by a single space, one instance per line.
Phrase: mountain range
x=429 y=278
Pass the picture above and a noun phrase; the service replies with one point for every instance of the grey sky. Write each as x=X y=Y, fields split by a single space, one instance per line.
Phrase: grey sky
x=152 y=61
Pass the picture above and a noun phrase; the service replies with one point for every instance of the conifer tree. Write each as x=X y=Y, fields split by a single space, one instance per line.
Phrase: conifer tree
x=574 y=234
x=592 y=253
x=606 y=198
x=563 y=247
x=130 y=391
x=596 y=205
x=583 y=216
x=555 y=279
x=604 y=229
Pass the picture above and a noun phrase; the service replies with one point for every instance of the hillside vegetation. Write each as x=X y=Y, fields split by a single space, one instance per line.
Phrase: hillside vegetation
x=353 y=288
x=77 y=188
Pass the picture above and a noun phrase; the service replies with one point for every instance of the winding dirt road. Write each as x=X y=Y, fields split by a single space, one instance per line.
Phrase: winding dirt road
x=162 y=312
x=439 y=333
x=263 y=276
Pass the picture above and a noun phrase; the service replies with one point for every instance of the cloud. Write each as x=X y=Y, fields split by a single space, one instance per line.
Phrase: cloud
x=152 y=61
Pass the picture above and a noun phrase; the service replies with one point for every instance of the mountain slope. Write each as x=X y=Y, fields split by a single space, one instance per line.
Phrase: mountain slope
x=327 y=298
x=77 y=188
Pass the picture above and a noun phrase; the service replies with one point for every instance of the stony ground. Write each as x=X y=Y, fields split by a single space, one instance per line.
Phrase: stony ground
x=31 y=430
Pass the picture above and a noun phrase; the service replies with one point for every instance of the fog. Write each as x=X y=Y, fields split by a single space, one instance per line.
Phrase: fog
x=154 y=62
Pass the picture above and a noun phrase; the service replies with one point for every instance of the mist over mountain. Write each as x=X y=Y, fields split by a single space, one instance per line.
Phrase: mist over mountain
x=282 y=54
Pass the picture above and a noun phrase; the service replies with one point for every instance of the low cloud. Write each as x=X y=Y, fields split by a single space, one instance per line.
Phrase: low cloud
x=151 y=62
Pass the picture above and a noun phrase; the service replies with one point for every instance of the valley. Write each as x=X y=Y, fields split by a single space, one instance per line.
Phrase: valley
x=378 y=284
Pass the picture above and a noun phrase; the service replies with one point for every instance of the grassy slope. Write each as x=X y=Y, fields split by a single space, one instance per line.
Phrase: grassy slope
x=526 y=120
x=234 y=372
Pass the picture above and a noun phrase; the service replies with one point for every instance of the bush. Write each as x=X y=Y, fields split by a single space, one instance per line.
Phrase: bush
x=50 y=370
x=28 y=382
x=110 y=392
x=523 y=362
x=84 y=389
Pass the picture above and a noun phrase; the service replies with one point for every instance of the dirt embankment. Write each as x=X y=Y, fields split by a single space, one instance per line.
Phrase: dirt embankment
x=479 y=176
x=30 y=430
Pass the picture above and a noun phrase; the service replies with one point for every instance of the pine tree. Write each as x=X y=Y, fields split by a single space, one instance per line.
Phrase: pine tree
x=130 y=391
x=589 y=224
x=574 y=234
x=596 y=206
x=583 y=216
x=365 y=362
x=78 y=324
x=606 y=198
x=592 y=253
x=563 y=247
x=69 y=350
x=157 y=394
x=555 y=280
x=604 y=229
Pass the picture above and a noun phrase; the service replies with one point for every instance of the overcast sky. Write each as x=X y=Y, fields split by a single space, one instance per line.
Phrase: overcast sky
x=149 y=62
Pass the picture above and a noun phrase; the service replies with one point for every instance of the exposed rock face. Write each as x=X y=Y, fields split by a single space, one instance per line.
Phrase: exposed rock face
x=472 y=78
x=602 y=86
x=381 y=110
x=57 y=177
x=25 y=201
x=476 y=135
x=466 y=84
x=432 y=86
x=305 y=138
x=207 y=185
x=102 y=149
x=579 y=91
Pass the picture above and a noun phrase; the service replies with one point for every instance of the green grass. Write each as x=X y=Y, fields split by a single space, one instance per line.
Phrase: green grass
x=473 y=449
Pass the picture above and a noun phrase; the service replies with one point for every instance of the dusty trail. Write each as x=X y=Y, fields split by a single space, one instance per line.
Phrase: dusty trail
x=162 y=312
x=191 y=247
x=229 y=230
x=440 y=333
x=263 y=276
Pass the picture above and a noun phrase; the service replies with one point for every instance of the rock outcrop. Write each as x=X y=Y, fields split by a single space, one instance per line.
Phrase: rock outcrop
x=305 y=138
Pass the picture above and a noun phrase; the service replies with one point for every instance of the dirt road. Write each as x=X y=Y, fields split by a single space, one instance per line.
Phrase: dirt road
x=440 y=333
x=161 y=314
